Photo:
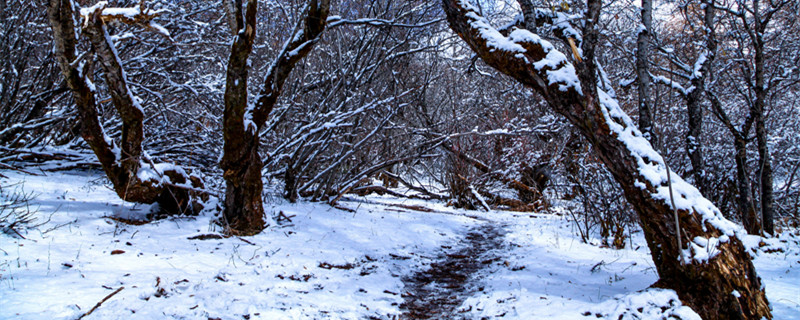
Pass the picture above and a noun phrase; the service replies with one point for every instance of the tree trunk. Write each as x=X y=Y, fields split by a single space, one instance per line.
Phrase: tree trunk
x=694 y=146
x=133 y=176
x=761 y=90
x=243 y=210
x=747 y=208
x=290 y=181
x=642 y=72
x=765 y=176
x=705 y=283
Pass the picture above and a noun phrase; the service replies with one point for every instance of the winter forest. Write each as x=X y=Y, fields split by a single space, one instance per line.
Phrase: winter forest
x=384 y=159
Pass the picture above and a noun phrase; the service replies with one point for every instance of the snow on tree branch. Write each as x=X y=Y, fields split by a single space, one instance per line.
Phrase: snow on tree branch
x=556 y=78
x=138 y=15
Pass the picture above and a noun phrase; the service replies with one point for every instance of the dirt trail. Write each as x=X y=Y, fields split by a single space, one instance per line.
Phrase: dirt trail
x=437 y=292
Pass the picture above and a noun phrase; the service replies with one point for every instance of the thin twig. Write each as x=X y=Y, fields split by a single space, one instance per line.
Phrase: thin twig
x=675 y=211
x=101 y=302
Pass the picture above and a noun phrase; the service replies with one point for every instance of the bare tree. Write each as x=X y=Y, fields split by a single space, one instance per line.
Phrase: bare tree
x=243 y=211
x=642 y=70
x=575 y=89
x=134 y=175
x=29 y=78
x=754 y=20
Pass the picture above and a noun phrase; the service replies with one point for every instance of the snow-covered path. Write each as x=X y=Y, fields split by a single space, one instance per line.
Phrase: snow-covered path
x=328 y=263
x=437 y=292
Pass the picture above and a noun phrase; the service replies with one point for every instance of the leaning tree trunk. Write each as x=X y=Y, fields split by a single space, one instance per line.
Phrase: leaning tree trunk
x=134 y=177
x=243 y=211
x=704 y=281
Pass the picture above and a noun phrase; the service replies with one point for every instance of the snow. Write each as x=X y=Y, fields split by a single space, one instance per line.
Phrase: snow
x=563 y=21
x=249 y=124
x=115 y=149
x=129 y=13
x=159 y=28
x=558 y=69
x=494 y=39
x=327 y=263
x=135 y=101
x=88 y=11
x=254 y=279
x=653 y=169
x=655 y=304
x=651 y=165
x=155 y=172
x=701 y=60
x=674 y=85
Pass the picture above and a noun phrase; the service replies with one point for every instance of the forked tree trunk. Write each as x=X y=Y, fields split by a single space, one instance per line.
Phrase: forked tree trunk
x=715 y=265
x=745 y=205
x=243 y=211
x=133 y=176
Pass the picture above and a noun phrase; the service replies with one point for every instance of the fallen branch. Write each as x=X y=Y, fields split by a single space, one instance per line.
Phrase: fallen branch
x=498 y=201
x=511 y=182
x=365 y=190
x=101 y=302
x=3 y=165
x=413 y=187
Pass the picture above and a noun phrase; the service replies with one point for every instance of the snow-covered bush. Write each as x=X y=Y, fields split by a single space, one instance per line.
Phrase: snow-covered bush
x=15 y=213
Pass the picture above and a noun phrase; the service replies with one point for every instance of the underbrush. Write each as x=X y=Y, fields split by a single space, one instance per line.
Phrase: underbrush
x=16 y=213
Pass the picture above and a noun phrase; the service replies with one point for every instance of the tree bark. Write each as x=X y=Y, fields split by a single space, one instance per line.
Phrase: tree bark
x=765 y=175
x=642 y=72
x=243 y=211
x=764 y=166
x=694 y=145
x=761 y=89
x=130 y=172
x=704 y=285
x=747 y=209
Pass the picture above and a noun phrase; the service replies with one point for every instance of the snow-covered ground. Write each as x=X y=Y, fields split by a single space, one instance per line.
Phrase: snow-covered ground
x=326 y=263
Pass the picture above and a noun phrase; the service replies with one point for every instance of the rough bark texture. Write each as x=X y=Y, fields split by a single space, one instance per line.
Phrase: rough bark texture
x=765 y=175
x=642 y=72
x=761 y=90
x=121 y=168
x=694 y=146
x=243 y=211
x=296 y=49
x=704 y=286
x=747 y=208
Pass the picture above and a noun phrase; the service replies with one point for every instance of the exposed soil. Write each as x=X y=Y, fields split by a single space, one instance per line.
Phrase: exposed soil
x=437 y=292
